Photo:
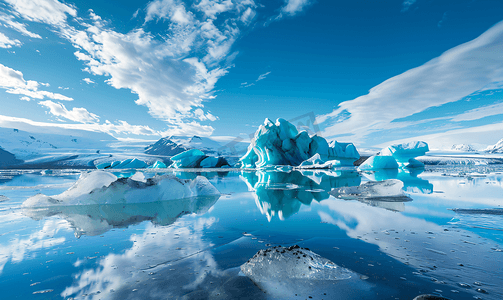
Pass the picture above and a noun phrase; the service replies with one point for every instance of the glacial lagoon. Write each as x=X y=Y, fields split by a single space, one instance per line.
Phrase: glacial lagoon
x=444 y=237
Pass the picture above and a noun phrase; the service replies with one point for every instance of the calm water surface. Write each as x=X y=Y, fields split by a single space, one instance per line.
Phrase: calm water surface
x=193 y=248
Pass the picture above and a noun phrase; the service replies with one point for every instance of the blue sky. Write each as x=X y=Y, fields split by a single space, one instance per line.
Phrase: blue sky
x=371 y=72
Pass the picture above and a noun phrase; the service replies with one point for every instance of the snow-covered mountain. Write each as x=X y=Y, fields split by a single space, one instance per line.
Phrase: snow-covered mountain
x=166 y=147
x=463 y=147
x=27 y=145
x=496 y=148
x=173 y=145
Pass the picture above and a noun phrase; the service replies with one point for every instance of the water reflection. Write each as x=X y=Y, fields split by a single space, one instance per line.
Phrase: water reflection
x=411 y=182
x=283 y=193
x=97 y=219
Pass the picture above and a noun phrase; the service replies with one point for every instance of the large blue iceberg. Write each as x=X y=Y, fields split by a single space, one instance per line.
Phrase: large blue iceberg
x=195 y=158
x=280 y=143
x=397 y=156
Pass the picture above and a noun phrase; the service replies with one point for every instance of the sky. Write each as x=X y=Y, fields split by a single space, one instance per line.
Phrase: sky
x=361 y=71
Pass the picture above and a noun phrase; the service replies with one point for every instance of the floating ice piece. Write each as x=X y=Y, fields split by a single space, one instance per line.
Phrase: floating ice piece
x=281 y=144
x=158 y=165
x=390 y=189
x=4 y=198
x=285 y=271
x=131 y=163
x=195 y=158
x=479 y=211
x=406 y=152
x=378 y=162
x=100 y=187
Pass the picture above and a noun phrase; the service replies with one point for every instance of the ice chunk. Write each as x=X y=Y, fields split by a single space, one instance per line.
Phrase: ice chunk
x=315 y=162
x=292 y=271
x=391 y=188
x=100 y=187
x=4 y=198
x=131 y=163
x=378 y=162
x=195 y=158
x=406 y=152
x=281 y=144
x=158 y=165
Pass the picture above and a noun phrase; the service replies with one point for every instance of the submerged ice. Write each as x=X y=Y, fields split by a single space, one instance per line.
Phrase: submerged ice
x=101 y=187
x=280 y=143
x=391 y=189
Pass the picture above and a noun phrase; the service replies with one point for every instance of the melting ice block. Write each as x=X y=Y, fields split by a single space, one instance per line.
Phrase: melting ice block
x=100 y=187
x=288 y=271
x=406 y=152
x=391 y=189
x=195 y=158
x=158 y=165
x=378 y=162
x=281 y=144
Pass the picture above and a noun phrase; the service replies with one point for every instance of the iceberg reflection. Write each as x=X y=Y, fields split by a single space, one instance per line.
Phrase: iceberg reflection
x=411 y=183
x=97 y=219
x=283 y=193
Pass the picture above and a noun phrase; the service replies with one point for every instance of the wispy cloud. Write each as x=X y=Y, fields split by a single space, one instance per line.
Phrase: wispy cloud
x=6 y=42
x=407 y=4
x=293 y=7
x=50 y=12
x=263 y=76
x=80 y=114
x=8 y=21
x=455 y=74
x=14 y=83
x=260 y=77
x=88 y=80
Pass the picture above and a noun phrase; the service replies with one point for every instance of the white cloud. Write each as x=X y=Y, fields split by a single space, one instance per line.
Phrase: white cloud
x=8 y=21
x=25 y=98
x=14 y=83
x=46 y=11
x=6 y=42
x=455 y=74
x=263 y=76
x=119 y=127
x=172 y=10
x=76 y=114
x=407 y=4
x=88 y=80
x=293 y=7
x=480 y=112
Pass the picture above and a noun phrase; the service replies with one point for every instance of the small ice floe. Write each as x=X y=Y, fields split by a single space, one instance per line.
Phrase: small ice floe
x=3 y=198
x=100 y=187
x=390 y=189
x=286 y=272
x=479 y=211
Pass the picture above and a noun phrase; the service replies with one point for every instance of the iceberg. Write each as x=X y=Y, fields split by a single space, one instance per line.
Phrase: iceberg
x=158 y=165
x=378 y=162
x=101 y=187
x=396 y=156
x=131 y=163
x=406 y=152
x=287 y=272
x=195 y=158
x=281 y=144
